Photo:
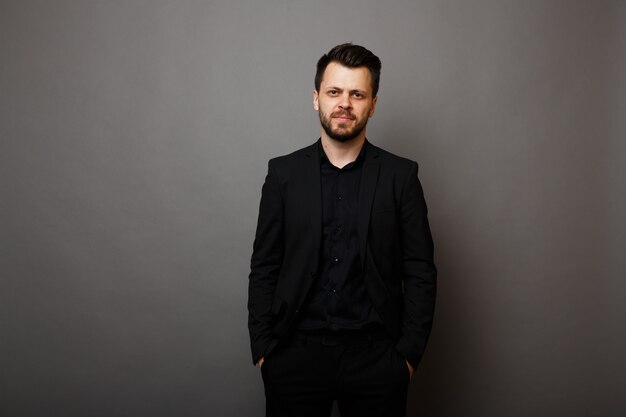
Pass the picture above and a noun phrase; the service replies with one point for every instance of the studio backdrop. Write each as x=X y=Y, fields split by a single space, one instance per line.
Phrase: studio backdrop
x=134 y=140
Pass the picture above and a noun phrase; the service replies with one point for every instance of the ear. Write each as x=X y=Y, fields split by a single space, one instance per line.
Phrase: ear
x=374 y=101
x=316 y=102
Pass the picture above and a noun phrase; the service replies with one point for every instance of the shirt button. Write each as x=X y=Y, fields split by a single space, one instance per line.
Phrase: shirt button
x=339 y=197
x=335 y=260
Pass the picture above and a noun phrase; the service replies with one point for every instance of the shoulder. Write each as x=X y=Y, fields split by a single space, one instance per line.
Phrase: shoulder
x=392 y=161
x=293 y=159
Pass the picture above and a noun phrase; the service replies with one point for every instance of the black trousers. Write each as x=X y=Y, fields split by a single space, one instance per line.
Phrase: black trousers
x=362 y=371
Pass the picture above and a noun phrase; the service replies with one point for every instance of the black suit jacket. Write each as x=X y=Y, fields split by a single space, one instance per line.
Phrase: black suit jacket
x=396 y=248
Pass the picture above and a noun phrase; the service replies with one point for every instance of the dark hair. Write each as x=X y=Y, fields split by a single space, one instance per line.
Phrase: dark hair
x=352 y=56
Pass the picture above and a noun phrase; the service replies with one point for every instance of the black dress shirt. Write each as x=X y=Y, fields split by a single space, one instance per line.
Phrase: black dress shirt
x=338 y=299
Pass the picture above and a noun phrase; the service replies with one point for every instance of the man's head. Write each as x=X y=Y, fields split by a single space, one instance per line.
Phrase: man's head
x=346 y=84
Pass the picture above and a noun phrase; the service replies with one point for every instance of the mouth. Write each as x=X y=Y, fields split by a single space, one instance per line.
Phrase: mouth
x=343 y=117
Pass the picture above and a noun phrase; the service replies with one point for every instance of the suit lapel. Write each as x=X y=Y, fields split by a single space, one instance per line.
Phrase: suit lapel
x=369 y=178
x=313 y=185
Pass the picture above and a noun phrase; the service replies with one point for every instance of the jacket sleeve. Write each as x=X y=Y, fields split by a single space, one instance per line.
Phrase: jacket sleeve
x=419 y=272
x=267 y=255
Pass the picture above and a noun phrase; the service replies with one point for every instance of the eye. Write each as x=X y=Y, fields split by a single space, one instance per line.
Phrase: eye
x=332 y=92
x=356 y=94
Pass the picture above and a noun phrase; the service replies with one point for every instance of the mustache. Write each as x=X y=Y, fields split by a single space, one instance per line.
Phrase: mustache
x=343 y=114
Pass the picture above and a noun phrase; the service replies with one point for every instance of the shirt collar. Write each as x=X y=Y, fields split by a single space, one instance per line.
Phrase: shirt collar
x=324 y=157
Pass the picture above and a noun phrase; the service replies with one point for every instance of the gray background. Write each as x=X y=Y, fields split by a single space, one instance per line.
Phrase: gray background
x=134 y=142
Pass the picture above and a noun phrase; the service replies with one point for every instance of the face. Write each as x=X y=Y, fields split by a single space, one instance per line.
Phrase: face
x=344 y=101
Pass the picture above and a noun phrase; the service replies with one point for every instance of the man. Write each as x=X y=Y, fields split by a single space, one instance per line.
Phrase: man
x=342 y=282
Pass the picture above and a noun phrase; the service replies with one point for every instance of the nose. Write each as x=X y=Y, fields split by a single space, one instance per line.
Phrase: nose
x=345 y=102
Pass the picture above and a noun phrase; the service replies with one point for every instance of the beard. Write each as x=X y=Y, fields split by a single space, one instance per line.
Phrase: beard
x=341 y=134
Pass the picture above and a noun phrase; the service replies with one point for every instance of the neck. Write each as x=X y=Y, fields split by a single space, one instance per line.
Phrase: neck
x=341 y=154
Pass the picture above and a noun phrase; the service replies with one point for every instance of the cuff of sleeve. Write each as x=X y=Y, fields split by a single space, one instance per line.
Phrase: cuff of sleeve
x=258 y=354
x=409 y=352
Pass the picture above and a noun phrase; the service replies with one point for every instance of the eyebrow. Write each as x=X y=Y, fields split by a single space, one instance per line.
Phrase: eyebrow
x=356 y=90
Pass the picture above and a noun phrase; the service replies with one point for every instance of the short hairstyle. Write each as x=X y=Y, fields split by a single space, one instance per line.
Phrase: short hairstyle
x=352 y=56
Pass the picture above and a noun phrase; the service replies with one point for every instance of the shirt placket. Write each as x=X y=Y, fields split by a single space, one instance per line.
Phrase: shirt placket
x=336 y=253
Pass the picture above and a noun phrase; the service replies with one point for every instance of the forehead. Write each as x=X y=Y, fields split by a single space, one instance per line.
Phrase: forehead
x=337 y=75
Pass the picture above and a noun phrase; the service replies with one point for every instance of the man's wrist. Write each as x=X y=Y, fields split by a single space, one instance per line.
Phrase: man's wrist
x=411 y=369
